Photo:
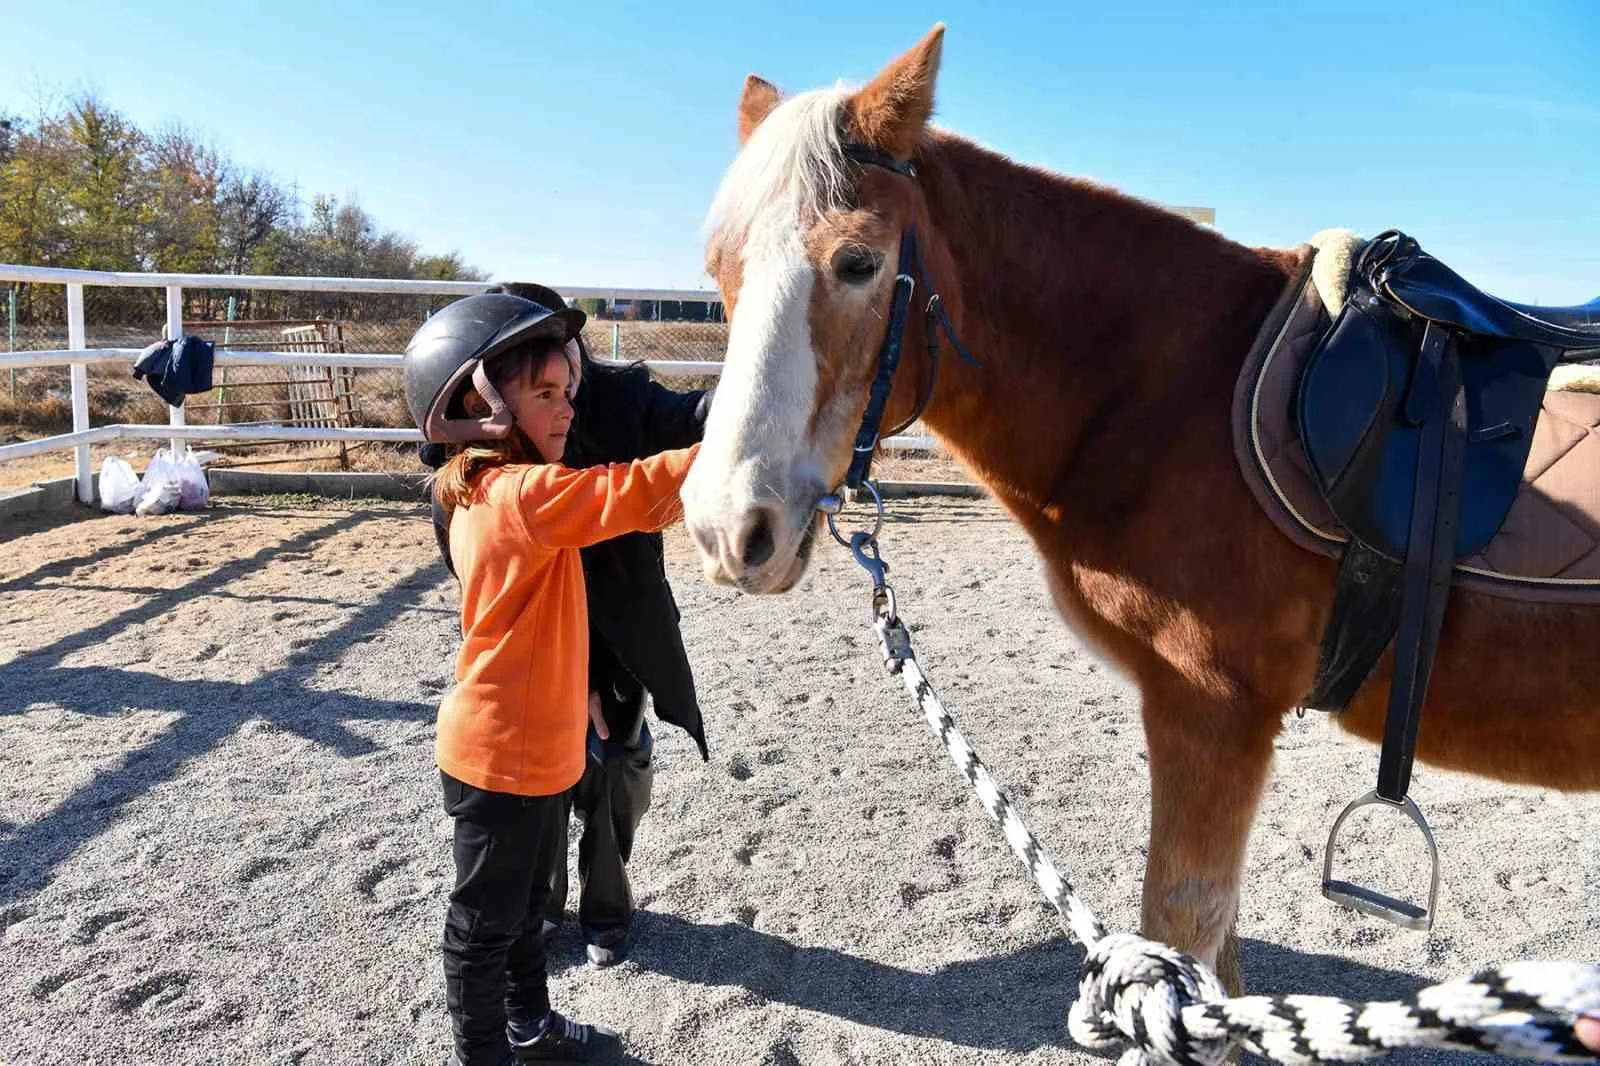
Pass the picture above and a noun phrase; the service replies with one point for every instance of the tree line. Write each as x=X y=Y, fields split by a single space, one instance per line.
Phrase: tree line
x=82 y=186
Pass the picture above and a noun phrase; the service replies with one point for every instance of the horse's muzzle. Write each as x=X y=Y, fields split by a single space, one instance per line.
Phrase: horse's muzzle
x=761 y=549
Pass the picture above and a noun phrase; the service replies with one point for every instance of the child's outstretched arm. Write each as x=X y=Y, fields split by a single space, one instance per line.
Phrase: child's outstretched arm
x=566 y=508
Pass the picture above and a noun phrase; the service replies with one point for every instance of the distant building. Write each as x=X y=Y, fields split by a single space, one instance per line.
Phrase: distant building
x=659 y=310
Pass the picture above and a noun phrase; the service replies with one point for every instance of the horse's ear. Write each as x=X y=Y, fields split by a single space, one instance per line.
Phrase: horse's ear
x=892 y=110
x=759 y=98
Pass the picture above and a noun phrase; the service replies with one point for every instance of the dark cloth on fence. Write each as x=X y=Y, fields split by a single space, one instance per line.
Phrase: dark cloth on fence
x=175 y=369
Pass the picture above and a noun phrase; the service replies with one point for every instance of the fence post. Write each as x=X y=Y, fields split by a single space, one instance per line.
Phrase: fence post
x=222 y=371
x=84 y=482
x=11 y=334
x=616 y=340
x=175 y=415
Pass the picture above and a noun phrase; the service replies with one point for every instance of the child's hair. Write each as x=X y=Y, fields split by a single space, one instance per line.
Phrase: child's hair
x=453 y=482
x=583 y=446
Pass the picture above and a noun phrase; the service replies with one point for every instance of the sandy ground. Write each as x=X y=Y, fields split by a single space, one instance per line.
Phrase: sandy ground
x=221 y=839
x=21 y=473
x=369 y=456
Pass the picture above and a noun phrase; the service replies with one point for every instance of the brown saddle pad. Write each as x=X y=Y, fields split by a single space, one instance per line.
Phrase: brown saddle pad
x=1548 y=549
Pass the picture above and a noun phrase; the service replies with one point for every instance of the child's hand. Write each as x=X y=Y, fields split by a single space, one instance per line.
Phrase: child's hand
x=597 y=718
x=1589 y=1032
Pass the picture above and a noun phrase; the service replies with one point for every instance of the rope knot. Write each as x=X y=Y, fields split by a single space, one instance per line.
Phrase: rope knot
x=1133 y=991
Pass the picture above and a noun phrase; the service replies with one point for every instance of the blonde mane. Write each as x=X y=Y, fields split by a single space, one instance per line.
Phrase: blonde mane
x=792 y=163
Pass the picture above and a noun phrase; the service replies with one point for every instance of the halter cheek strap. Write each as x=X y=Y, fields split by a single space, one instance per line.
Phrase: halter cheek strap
x=937 y=319
x=888 y=362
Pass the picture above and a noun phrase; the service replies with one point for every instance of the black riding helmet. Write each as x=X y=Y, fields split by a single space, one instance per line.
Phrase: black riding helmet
x=539 y=294
x=453 y=346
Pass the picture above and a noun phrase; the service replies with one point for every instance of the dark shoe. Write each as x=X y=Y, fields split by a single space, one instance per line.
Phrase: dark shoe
x=609 y=947
x=564 y=1041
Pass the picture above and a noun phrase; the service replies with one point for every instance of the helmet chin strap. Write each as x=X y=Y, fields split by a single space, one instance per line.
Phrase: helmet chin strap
x=500 y=420
x=574 y=365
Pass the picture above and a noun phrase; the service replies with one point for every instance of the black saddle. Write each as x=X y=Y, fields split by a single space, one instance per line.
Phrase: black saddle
x=1584 y=318
x=1417 y=411
x=1429 y=289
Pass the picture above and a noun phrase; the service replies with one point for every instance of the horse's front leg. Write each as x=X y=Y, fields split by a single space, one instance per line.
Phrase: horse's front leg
x=1209 y=759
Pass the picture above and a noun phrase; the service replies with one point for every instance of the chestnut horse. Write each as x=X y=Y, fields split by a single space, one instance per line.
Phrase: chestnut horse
x=1110 y=334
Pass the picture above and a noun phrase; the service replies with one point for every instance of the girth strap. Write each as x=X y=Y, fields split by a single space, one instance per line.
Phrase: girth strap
x=1365 y=616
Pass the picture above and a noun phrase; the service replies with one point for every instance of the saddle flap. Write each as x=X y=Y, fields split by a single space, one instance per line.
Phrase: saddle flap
x=1505 y=383
x=1351 y=407
x=1342 y=395
x=1361 y=439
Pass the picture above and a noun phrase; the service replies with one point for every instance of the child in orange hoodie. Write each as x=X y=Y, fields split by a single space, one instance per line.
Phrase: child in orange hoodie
x=495 y=374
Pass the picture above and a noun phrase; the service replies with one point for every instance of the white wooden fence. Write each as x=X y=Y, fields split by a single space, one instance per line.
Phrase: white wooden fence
x=78 y=356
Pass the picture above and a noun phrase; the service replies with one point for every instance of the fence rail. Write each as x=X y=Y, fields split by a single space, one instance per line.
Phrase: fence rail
x=78 y=356
x=280 y=283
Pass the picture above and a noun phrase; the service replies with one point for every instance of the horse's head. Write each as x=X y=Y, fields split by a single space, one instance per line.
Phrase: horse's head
x=803 y=245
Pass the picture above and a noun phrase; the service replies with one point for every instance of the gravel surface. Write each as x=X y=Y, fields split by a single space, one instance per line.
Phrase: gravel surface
x=221 y=838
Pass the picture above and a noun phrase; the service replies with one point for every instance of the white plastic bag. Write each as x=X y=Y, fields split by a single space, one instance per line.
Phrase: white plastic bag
x=119 y=485
x=160 y=467
x=169 y=484
x=194 y=494
x=158 y=496
x=160 y=490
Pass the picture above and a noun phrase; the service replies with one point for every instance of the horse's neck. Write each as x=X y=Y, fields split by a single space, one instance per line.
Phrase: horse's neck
x=1089 y=311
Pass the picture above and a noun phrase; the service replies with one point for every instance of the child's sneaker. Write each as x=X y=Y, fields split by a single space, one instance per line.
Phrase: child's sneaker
x=609 y=947
x=561 y=1040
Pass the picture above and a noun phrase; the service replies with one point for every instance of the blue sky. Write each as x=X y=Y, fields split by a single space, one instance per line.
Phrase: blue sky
x=579 y=144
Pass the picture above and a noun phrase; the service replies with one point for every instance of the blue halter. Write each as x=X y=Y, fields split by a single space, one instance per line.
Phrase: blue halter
x=910 y=268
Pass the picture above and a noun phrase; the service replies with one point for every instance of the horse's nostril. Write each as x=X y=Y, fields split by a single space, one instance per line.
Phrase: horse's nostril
x=757 y=544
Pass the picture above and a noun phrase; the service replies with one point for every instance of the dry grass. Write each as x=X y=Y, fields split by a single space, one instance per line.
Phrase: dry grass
x=40 y=399
x=42 y=405
x=373 y=456
x=365 y=455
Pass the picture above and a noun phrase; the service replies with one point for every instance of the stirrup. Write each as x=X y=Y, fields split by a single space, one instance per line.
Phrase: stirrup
x=1369 y=901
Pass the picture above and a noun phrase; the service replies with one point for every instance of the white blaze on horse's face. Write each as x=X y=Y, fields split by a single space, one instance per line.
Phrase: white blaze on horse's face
x=802 y=247
x=749 y=496
x=769 y=452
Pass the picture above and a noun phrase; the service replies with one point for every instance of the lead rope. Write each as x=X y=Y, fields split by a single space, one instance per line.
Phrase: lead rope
x=1165 y=1007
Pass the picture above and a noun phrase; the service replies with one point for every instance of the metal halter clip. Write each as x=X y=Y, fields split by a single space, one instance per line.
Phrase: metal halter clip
x=893 y=639
x=864 y=546
x=1370 y=901
x=833 y=505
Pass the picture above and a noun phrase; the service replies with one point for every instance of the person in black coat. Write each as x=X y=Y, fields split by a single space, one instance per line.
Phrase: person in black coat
x=636 y=647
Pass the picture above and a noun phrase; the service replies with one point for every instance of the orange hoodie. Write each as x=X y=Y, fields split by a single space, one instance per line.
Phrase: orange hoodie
x=516 y=719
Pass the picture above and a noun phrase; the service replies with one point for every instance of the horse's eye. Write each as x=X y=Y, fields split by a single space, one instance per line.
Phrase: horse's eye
x=857 y=266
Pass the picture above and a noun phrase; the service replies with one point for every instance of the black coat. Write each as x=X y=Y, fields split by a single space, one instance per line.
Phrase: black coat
x=176 y=368
x=623 y=415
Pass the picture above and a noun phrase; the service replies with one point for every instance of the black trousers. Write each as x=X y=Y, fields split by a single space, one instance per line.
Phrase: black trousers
x=611 y=798
x=506 y=848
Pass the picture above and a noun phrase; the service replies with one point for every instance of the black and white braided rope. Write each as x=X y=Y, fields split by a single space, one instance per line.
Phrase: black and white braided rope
x=1168 y=1008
